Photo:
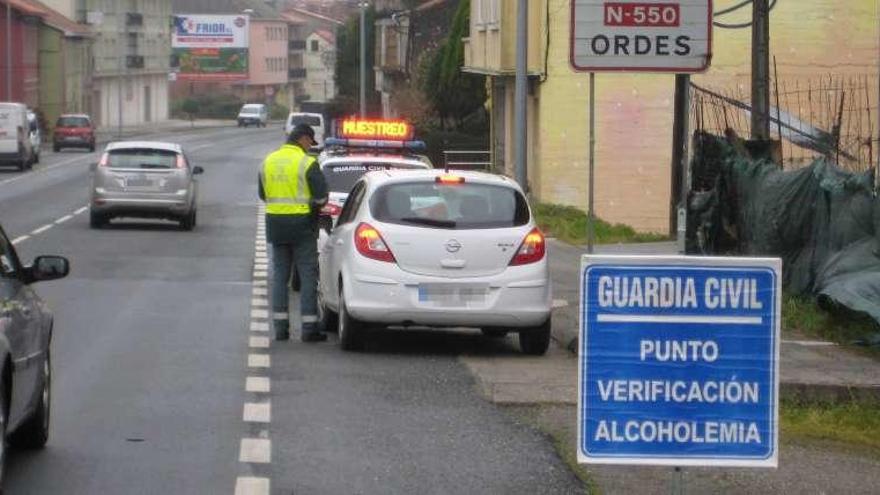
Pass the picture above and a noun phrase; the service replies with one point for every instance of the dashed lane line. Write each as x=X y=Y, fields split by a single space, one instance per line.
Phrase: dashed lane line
x=249 y=485
x=260 y=291
x=259 y=326
x=260 y=313
x=41 y=229
x=259 y=302
x=258 y=342
x=257 y=384
x=20 y=239
x=259 y=361
x=81 y=210
x=63 y=219
x=257 y=412
x=255 y=450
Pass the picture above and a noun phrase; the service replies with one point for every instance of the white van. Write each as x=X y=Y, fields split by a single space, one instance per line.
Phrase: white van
x=15 y=143
x=316 y=120
x=253 y=114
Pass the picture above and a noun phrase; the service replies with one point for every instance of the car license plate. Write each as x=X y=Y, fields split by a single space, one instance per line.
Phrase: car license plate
x=139 y=182
x=452 y=295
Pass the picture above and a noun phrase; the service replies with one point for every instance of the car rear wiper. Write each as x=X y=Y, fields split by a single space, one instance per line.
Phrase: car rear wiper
x=447 y=224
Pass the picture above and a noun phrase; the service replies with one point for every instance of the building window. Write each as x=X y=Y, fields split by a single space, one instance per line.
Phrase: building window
x=314 y=45
x=132 y=43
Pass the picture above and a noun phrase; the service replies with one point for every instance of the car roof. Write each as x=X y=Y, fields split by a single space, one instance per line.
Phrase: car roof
x=372 y=158
x=153 y=145
x=381 y=177
x=253 y=105
x=77 y=115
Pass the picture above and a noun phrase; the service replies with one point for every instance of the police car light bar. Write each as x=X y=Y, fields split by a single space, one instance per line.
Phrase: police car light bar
x=376 y=143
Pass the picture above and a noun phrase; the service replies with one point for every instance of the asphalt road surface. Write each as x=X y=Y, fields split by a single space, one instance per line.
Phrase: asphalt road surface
x=162 y=382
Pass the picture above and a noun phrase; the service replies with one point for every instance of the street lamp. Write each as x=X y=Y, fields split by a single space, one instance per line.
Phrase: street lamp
x=244 y=86
x=8 y=50
x=363 y=100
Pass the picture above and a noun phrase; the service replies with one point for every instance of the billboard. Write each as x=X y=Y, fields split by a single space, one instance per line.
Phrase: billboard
x=210 y=47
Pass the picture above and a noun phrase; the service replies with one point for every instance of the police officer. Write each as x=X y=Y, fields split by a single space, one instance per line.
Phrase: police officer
x=293 y=187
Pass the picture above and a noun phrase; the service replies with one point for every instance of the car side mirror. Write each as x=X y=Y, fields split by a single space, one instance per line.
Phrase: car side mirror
x=197 y=170
x=49 y=268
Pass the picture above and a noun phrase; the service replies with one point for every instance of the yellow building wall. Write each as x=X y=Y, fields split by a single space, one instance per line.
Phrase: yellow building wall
x=810 y=38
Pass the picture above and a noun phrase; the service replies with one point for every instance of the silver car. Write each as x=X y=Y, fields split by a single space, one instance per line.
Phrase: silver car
x=145 y=180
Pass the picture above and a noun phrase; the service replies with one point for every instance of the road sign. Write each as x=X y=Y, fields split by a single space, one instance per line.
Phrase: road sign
x=641 y=36
x=679 y=361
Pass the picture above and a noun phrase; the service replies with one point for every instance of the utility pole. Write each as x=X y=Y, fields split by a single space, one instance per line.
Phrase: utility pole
x=679 y=152
x=363 y=6
x=8 y=50
x=121 y=77
x=522 y=37
x=760 y=69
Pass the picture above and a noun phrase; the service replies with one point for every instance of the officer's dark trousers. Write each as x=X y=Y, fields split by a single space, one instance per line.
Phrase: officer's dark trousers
x=302 y=253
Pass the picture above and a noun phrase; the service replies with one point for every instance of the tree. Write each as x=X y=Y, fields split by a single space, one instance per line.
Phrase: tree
x=347 y=70
x=453 y=93
x=190 y=107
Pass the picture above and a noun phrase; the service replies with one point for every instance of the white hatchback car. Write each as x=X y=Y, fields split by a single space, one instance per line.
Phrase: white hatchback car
x=436 y=249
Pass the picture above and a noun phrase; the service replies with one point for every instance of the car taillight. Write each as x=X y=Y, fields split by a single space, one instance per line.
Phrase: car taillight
x=181 y=163
x=331 y=210
x=105 y=159
x=531 y=250
x=370 y=244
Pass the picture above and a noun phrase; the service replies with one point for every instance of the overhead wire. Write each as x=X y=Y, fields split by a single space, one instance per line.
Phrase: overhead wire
x=740 y=25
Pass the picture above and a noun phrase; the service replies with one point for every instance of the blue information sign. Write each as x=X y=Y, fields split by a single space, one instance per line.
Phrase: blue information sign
x=679 y=361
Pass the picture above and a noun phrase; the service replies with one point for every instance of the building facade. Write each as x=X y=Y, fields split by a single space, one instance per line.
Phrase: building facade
x=20 y=59
x=131 y=50
x=634 y=111
x=320 y=62
x=267 y=70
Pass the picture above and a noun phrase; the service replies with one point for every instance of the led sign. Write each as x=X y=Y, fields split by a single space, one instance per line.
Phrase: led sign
x=376 y=129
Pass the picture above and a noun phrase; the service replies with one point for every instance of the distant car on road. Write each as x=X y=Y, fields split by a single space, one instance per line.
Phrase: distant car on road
x=73 y=131
x=35 y=134
x=436 y=249
x=15 y=143
x=25 y=335
x=253 y=114
x=146 y=180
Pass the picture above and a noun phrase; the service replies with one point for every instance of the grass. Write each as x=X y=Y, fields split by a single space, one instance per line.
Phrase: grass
x=854 y=425
x=804 y=316
x=569 y=224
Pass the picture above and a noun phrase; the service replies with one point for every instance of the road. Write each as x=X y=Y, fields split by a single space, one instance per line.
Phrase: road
x=157 y=334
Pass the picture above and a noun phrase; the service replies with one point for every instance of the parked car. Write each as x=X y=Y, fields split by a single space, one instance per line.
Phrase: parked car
x=74 y=131
x=253 y=114
x=429 y=248
x=316 y=120
x=25 y=337
x=146 y=180
x=15 y=144
x=35 y=134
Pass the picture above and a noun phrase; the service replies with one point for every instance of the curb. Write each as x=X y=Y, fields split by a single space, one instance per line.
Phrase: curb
x=834 y=394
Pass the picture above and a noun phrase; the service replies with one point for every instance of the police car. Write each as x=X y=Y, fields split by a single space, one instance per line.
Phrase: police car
x=365 y=146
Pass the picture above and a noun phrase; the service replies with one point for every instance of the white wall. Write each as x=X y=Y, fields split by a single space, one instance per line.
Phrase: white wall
x=134 y=112
x=319 y=78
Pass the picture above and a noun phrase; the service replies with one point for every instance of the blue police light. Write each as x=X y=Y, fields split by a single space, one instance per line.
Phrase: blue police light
x=376 y=144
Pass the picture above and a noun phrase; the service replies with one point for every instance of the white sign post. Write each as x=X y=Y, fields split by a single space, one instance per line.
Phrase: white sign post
x=641 y=36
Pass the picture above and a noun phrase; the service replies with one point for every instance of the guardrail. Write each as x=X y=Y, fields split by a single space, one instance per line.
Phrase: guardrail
x=467 y=159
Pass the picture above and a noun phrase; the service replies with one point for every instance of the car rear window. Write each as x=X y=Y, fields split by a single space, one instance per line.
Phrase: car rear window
x=341 y=177
x=250 y=110
x=72 y=122
x=305 y=119
x=450 y=206
x=142 y=158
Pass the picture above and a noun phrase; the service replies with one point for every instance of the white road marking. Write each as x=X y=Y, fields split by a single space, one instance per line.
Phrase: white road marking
x=20 y=239
x=260 y=274
x=63 y=219
x=259 y=326
x=261 y=259
x=809 y=343
x=257 y=384
x=248 y=485
x=559 y=303
x=41 y=229
x=261 y=250
x=257 y=412
x=260 y=291
x=260 y=313
x=261 y=266
x=81 y=210
x=257 y=450
x=258 y=302
x=259 y=342
x=259 y=361
x=260 y=283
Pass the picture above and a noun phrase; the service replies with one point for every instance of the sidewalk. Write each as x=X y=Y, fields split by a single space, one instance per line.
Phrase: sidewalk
x=808 y=369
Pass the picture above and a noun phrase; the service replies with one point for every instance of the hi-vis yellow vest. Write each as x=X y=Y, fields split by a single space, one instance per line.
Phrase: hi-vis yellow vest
x=284 y=181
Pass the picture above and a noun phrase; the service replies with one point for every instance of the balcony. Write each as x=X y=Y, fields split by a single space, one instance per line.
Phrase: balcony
x=134 y=61
x=134 y=19
x=296 y=74
x=296 y=45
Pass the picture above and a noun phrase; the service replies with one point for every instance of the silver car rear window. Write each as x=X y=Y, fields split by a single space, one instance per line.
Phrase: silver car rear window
x=305 y=119
x=142 y=158
x=450 y=206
